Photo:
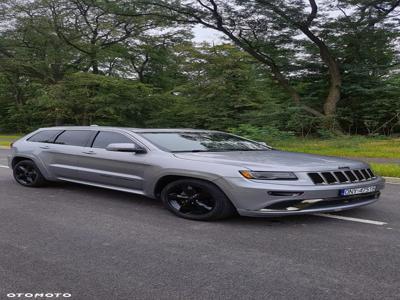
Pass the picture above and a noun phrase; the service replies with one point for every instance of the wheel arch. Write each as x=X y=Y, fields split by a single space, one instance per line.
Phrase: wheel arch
x=18 y=158
x=167 y=179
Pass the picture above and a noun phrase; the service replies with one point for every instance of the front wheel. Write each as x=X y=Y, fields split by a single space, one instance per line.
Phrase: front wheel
x=28 y=174
x=196 y=200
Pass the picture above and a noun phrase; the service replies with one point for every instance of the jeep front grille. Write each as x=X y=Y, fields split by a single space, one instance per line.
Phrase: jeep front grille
x=337 y=177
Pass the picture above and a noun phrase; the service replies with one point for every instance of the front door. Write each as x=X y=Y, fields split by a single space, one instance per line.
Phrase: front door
x=121 y=170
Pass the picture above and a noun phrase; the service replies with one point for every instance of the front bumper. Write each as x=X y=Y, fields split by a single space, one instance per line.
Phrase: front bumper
x=9 y=161
x=265 y=199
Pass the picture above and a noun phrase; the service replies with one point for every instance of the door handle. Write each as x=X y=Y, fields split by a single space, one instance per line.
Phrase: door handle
x=89 y=152
x=45 y=147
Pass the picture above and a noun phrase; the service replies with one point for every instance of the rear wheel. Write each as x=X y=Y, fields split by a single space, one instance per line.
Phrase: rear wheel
x=196 y=200
x=27 y=174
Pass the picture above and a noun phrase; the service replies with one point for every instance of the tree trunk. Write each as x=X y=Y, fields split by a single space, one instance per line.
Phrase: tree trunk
x=140 y=69
x=140 y=75
x=334 y=94
x=95 y=64
x=335 y=78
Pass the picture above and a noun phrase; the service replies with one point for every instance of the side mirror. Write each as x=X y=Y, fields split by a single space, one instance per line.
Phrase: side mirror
x=125 y=147
x=263 y=143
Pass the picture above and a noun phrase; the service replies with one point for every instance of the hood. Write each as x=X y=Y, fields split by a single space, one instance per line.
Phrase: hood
x=273 y=160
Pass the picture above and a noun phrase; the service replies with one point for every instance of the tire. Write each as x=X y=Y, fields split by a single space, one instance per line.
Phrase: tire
x=26 y=173
x=196 y=200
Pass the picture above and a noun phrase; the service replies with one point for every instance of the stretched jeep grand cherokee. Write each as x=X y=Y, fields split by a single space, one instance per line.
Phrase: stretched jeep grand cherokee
x=198 y=174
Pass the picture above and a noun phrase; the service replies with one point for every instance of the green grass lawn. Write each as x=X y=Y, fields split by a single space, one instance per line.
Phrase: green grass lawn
x=389 y=170
x=346 y=146
x=357 y=147
x=7 y=139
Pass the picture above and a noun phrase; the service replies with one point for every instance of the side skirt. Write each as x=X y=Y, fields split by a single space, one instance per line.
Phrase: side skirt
x=104 y=186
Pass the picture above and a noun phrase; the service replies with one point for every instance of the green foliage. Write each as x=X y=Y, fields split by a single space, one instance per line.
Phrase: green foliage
x=90 y=62
x=83 y=99
x=262 y=134
x=226 y=88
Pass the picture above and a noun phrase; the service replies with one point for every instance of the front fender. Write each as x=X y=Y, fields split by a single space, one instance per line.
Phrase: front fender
x=177 y=172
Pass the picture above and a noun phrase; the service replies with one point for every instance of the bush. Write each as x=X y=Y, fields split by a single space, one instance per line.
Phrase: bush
x=83 y=99
x=265 y=133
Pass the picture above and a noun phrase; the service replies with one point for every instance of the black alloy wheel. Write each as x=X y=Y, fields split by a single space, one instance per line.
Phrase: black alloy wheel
x=190 y=200
x=196 y=200
x=27 y=174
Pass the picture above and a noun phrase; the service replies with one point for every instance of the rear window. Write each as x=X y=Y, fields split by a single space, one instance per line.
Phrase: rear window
x=45 y=136
x=74 y=137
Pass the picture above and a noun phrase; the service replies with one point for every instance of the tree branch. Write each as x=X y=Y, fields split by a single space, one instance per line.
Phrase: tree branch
x=313 y=14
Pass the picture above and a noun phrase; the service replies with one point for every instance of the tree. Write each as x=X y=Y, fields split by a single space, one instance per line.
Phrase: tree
x=93 y=31
x=155 y=58
x=255 y=25
x=271 y=80
x=224 y=88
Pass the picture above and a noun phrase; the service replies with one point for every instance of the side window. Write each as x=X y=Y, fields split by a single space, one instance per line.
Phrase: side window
x=74 y=137
x=45 y=136
x=105 y=138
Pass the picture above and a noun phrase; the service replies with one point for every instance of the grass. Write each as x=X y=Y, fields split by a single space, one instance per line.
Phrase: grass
x=6 y=140
x=10 y=136
x=389 y=170
x=346 y=146
x=357 y=147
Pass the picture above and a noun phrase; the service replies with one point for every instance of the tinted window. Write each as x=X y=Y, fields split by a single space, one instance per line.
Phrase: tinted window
x=74 y=137
x=45 y=136
x=105 y=138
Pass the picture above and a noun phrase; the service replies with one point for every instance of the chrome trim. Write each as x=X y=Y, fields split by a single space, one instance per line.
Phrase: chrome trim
x=358 y=179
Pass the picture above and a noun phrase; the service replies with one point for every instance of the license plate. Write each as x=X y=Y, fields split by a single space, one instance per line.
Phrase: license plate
x=357 y=191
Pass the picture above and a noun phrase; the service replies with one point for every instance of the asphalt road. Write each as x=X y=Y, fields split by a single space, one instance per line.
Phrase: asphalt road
x=100 y=244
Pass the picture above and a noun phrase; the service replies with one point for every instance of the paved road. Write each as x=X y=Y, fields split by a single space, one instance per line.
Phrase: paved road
x=99 y=244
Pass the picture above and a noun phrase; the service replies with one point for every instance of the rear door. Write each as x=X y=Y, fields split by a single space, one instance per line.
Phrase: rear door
x=61 y=156
x=123 y=170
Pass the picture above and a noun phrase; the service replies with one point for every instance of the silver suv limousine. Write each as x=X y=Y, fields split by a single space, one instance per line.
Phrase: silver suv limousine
x=198 y=174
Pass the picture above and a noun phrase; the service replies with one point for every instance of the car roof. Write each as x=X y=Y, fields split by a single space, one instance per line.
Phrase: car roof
x=137 y=130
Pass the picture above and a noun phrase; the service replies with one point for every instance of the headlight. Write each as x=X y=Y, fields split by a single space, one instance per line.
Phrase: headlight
x=267 y=175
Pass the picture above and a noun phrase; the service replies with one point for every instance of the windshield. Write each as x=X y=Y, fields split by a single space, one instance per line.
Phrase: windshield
x=201 y=142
